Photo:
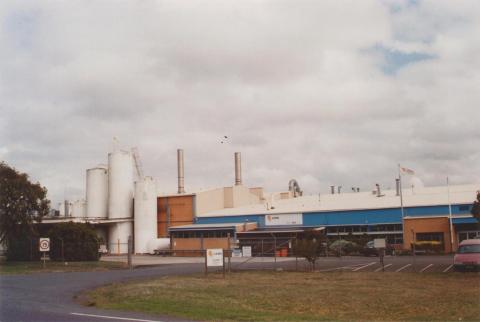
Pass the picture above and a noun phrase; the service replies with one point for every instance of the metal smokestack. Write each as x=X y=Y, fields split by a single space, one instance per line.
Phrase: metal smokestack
x=238 y=169
x=397 y=186
x=181 y=184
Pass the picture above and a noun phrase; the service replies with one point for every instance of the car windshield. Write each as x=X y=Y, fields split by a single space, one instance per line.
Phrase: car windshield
x=467 y=249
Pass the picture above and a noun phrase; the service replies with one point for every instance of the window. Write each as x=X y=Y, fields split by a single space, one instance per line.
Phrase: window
x=429 y=237
x=468 y=235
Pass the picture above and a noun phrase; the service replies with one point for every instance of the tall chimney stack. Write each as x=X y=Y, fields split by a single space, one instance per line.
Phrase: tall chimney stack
x=181 y=183
x=238 y=169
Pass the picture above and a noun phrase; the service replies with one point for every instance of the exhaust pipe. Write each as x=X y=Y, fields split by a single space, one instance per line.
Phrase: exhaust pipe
x=332 y=189
x=180 y=169
x=238 y=169
x=397 y=185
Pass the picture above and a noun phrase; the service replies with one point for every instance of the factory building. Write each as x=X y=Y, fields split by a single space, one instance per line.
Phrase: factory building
x=121 y=202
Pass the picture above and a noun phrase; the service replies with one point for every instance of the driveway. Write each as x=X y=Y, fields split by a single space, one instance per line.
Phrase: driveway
x=49 y=296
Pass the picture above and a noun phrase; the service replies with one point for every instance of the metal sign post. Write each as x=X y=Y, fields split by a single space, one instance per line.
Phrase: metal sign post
x=130 y=250
x=215 y=258
x=44 y=247
x=380 y=244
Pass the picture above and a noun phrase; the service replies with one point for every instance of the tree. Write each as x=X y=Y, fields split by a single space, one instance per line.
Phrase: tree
x=310 y=246
x=476 y=207
x=22 y=203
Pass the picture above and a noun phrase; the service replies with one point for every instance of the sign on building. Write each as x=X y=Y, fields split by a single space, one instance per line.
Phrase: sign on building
x=44 y=244
x=236 y=252
x=215 y=257
x=283 y=219
x=379 y=243
x=247 y=251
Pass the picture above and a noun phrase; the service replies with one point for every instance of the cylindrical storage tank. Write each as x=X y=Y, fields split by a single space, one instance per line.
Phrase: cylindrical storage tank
x=79 y=208
x=61 y=209
x=145 y=214
x=118 y=237
x=120 y=185
x=97 y=192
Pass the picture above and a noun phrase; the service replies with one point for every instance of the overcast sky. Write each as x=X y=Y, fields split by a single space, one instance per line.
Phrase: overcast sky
x=326 y=92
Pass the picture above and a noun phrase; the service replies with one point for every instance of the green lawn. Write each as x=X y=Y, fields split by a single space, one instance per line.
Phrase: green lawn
x=293 y=296
x=36 y=267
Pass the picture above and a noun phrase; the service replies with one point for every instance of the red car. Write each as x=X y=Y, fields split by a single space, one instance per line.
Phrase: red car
x=467 y=256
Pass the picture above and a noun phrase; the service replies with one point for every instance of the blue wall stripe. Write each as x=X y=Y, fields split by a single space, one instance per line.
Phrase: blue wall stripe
x=350 y=217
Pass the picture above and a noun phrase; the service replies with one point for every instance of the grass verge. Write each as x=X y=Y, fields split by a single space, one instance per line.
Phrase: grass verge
x=37 y=267
x=292 y=296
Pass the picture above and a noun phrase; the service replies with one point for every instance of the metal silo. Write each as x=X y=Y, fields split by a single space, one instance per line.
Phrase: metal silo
x=120 y=185
x=61 y=209
x=97 y=192
x=79 y=208
x=145 y=214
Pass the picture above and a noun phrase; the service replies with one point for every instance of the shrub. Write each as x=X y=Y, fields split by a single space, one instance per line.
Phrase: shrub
x=22 y=249
x=73 y=242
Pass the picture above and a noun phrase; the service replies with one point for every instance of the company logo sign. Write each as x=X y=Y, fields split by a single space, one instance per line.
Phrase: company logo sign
x=283 y=219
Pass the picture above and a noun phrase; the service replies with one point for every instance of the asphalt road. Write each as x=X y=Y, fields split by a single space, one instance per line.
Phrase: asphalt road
x=50 y=296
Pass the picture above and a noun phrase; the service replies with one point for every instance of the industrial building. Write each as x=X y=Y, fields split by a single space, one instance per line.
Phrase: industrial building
x=121 y=202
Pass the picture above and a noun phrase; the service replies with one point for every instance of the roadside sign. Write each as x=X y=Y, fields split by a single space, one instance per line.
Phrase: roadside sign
x=44 y=244
x=379 y=243
x=237 y=252
x=247 y=251
x=215 y=257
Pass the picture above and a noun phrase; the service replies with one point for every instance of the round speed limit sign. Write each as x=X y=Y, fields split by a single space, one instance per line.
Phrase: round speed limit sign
x=44 y=244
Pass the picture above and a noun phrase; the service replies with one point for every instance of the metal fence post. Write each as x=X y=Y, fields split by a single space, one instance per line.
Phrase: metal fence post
x=206 y=266
x=229 y=253
x=63 y=251
x=275 y=251
x=129 y=255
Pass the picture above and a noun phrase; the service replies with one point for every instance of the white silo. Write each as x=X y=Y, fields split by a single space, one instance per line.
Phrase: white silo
x=61 y=209
x=118 y=237
x=97 y=192
x=145 y=214
x=79 y=208
x=120 y=185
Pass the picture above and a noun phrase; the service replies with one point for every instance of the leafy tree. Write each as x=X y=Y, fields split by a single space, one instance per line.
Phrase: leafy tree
x=476 y=207
x=22 y=203
x=310 y=246
x=73 y=242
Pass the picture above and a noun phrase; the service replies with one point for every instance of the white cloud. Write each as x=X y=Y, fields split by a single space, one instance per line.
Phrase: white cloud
x=295 y=85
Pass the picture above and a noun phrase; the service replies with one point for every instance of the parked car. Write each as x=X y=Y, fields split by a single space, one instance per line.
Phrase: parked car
x=467 y=256
x=370 y=250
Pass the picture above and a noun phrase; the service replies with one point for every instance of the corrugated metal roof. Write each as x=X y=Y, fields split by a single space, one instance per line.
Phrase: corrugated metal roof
x=428 y=196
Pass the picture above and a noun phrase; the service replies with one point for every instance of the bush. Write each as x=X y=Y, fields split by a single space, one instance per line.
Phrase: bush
x=73 y=242
x=23 y=249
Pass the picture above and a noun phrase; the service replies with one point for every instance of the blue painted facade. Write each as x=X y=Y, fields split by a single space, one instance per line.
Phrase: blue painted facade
x=351 y=217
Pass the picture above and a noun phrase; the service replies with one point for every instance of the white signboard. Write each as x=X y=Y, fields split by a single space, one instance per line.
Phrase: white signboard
x=44 y=244
x=379 y=243
x=247 y=251
x=237 y=252
x=283 y=219
x=215 y=257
